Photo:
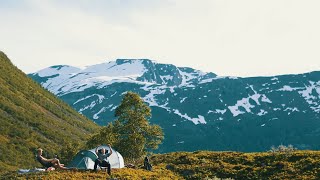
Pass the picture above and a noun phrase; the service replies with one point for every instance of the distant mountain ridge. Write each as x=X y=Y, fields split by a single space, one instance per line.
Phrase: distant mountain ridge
x=198 y=110
x=140 y=71
x=31 y=117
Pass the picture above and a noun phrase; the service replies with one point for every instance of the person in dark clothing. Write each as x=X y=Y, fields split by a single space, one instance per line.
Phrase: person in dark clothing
x=55 y=162
x=102 y=159
x=147 y=164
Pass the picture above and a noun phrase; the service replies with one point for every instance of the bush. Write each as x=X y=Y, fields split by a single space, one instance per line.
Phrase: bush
x=283 y=149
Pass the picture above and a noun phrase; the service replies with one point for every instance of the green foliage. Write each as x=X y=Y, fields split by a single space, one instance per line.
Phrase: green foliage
x=107 y=135
x=131 y=134
x=32 y=117
x=68 y=151
x=136 y=135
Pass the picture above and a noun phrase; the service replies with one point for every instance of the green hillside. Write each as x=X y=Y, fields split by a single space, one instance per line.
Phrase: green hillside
x=302 y=165
x=32 y=117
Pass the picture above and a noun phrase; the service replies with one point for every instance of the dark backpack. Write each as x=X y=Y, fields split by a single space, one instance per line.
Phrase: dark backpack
x=147 y=164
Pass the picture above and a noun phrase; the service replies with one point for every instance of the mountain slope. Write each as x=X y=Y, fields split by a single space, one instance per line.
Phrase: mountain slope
x=198 y=110
x=32 y=117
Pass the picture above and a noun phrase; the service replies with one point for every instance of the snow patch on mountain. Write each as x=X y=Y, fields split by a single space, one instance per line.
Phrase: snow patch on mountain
x=256 y=97
x=288 y=88
x=221 y=111
x=295 y=109
x=113 y=94
x=307 y=93
x=188 y=78
x=166 y=78
x=245 y=103
x=58 y=70
x=110 y=106
x=92 y=105
x=171 y=89
x=196 y=121
x=311 y=94
x=130 y=68
x=218 y=111
x=113 y=108
x=100 y=98
x=164 y=106
x=209 y=80
x=262 y=112
x=265 y=99
x=96 y=116
x=182 y=100
x=241 y=103
x=153 y=91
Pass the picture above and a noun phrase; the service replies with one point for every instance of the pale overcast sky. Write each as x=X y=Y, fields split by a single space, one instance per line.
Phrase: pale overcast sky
x=227 y=37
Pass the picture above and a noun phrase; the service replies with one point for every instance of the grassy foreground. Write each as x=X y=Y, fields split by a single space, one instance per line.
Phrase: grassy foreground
x=124 y=173
x=208 y=165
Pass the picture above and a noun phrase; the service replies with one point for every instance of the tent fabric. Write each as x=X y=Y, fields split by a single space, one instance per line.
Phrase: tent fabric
x=85 y=159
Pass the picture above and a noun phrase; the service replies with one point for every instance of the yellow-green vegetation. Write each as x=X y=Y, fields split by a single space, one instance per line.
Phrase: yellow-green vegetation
x=209 y=165
x=32 y=117
x=268 y=165
x=125 y=173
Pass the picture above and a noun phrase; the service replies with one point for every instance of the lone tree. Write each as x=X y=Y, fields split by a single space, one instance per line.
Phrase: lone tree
x=136 y=135
x=131 y=133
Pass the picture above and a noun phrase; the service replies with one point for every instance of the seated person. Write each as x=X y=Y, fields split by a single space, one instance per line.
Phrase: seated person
x=49 y=162
x=102 y=159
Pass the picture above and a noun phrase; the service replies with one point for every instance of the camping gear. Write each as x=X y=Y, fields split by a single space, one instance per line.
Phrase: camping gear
x=23 y=171
x=85 y=159
x=147 y=164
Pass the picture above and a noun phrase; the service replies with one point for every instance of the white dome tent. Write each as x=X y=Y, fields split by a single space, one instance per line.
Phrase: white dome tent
x=85 y=159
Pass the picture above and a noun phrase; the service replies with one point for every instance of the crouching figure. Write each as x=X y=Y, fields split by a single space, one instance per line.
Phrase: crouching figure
x=102 y=159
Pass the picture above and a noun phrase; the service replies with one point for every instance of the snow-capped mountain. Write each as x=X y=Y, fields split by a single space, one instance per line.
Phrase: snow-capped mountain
x=67 y=79
x=198 y=110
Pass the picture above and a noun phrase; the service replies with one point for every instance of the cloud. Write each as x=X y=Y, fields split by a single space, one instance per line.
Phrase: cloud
x=243 y=38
